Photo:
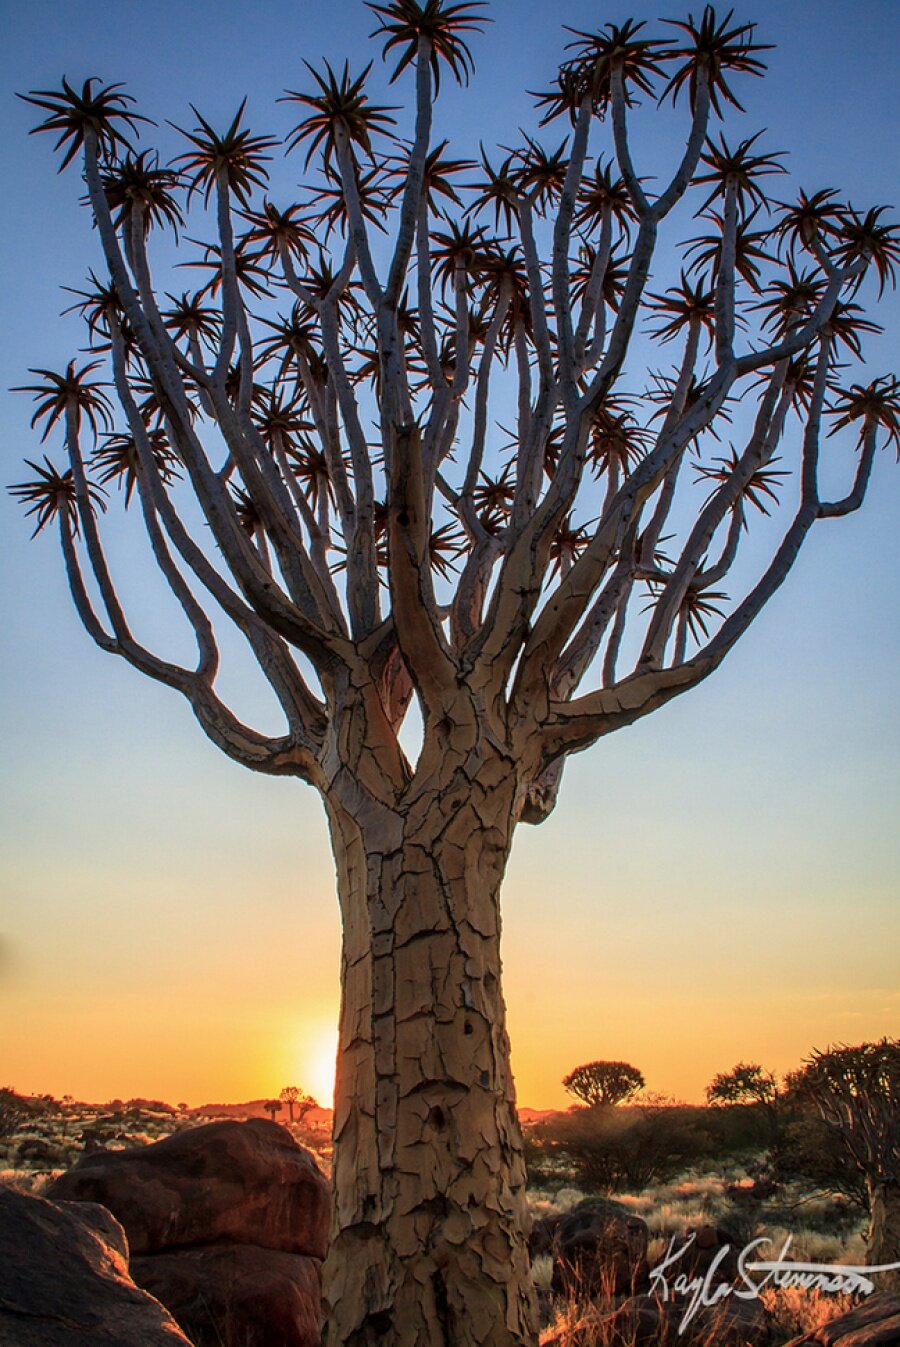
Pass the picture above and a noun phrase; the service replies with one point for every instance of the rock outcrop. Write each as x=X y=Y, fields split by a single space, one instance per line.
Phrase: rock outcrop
x=64 y=1281
x=227 y=1225
x=235 y=1182
x=599 y=1248
x=874 y=1323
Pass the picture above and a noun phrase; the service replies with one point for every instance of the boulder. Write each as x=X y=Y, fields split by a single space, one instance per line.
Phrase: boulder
x=102 y=1222
x=732 y=1322
x=874 y=1323
x=237 y=1295
x=63 y=1284
x=543 y=1230
x=599 y=1248
x=37 y=1151
x=699 y=1250
x=233 y=1182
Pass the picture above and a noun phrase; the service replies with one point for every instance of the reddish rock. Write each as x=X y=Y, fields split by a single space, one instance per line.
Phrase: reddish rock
x=237 y=1295
x=235 y=1182
x=731 y=1323
x=874 y=1323
x=63 y=1284
x=599 y=1248
x=540 y=1240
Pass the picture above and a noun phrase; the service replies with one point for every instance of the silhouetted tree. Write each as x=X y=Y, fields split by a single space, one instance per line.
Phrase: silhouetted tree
x=327 y=477
x=857 y=1092
x=748 y=1083
x=289 y=1095
x=298 y=1103
x=272 y=1107
x=598 y=1083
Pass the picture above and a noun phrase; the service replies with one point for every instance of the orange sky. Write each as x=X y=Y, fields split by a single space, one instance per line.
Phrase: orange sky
x=718 y=883
x=673 y=931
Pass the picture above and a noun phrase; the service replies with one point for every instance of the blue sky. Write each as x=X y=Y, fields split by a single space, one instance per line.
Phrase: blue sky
x=730 y=864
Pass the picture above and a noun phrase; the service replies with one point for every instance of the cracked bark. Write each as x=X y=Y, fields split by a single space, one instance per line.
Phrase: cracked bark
x=883 y=1236
x=428 y=1241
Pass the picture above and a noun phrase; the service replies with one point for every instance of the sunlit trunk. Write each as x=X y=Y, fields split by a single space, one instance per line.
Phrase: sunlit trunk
x=428 y=1243
x=883 y=1239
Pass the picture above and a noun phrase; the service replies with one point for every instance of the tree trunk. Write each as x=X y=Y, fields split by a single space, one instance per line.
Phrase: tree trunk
x=883 y=1239
x=429 y=1231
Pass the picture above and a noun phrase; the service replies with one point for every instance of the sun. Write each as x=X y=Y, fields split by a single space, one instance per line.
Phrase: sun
x=317 y=1066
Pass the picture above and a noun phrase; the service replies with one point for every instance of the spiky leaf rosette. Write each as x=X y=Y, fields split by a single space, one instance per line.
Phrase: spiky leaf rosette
x=101 y=111
x=237 y=155
x=406 y=22
x=52 y=493
x=340 y=102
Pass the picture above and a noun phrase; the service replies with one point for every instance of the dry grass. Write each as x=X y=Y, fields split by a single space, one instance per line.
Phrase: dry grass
x=28 y=1180
x=793 y=1311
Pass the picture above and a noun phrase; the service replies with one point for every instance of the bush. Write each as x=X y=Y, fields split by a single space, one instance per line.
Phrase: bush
x=609 y=1150
x=12 y=1110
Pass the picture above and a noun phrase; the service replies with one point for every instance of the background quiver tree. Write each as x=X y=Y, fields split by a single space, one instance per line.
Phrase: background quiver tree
x=298 y=1103
x=307 y=443
x=604 y=1083
x=856 y=1091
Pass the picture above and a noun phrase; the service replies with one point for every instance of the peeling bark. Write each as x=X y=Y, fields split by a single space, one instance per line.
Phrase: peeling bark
x=883 y=1237
x=428 y=1242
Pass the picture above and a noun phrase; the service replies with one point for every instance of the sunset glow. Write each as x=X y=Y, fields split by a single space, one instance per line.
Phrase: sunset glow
x=316 y=1067
x=718 y=882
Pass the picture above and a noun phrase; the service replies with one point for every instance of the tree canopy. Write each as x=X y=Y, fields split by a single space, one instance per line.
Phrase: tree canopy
x=402 y=437
x=599 y=1083
x=326 y=391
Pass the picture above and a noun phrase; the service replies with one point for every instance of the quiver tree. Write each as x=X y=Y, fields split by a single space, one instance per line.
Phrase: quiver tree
x=857 y=1092
x=604 y=1083
x=309 y=443
x=298 y=1103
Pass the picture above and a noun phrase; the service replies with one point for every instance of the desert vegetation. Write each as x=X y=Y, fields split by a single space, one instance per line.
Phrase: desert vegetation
x=403 y=441
x=658 y=1170
x=41 y=1136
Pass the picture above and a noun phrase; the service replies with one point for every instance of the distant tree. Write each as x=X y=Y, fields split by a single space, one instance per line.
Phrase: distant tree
x=289 y=1095
x=272 y=1107
x=857 y=1092
x=746 y=1083
x=749 y=1083
x=610 y=1150
x=598 y=1083
x=333 y=480
x=298 y=1103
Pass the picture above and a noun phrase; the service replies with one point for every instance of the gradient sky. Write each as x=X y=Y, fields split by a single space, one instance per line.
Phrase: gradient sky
x=718 y=883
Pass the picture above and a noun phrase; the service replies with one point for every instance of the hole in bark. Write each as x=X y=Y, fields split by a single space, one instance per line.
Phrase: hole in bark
x=437 y=1118
x=468 y=1028
x=485 y=1079
x=442 y=1306
x=403 y=518
x=381 y=1322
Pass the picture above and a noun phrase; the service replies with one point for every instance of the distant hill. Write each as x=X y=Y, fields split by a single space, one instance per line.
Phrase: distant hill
x=319 y=1117
x=533 y=1115
x=256 y=1108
